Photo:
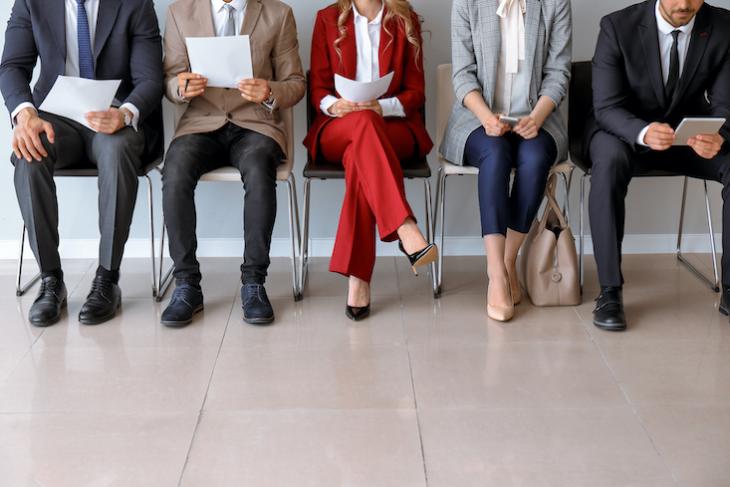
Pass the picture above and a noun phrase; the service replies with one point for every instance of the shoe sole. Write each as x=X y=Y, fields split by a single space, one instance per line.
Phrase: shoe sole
x=428 y=258
x=606 y=327
x=258 y=321
x=103 y=319
x=46 y=324
x=180 y=324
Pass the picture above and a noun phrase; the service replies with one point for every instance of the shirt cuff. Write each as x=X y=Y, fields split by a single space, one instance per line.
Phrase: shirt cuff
x=19 y=109
x=326 y=104
x=642 y=136
x=392 y=107
x=135 y=115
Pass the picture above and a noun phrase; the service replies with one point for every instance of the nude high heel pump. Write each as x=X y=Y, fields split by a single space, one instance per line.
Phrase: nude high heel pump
x=501 y=313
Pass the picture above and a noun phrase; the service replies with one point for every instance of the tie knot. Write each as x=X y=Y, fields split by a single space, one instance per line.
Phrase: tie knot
x=675 y=34
x=81 y=2
x=230 y=8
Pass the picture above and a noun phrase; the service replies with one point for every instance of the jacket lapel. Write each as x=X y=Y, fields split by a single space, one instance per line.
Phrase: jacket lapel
x=491 y=42
x=697 y=46
x=253 y=10
x=348 y=46
x=387 y=45
x=202 y=20
x=650 y=41
x=57 y=22
x=108 y=10
x=532 y=30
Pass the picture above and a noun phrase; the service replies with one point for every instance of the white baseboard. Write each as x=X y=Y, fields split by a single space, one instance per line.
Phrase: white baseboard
x=322 y=247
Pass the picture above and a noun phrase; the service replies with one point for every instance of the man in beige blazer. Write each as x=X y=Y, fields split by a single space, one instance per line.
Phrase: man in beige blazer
x=228 y=127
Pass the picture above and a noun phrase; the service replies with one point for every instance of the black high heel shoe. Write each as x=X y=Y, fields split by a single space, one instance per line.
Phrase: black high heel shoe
x=423 y=257
x=357 y=314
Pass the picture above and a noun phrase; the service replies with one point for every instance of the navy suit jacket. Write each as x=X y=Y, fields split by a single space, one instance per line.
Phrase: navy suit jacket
x=127 y=46
x=628 y=87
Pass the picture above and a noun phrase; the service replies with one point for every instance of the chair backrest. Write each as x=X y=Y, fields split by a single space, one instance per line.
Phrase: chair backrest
x=444 y=99
x=580 y=106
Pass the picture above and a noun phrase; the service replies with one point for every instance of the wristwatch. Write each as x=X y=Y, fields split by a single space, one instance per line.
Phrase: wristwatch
x=270 y=102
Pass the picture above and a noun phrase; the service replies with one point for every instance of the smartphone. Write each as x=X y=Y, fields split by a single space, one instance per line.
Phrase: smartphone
x=511 y=121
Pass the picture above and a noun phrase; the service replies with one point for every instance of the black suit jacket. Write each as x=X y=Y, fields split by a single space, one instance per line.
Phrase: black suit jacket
x=127 y=46
x=628 y=88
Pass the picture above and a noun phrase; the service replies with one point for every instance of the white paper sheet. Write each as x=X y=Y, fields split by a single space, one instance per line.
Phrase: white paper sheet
x=223 y=60
x=73 y=98
x=358 y=91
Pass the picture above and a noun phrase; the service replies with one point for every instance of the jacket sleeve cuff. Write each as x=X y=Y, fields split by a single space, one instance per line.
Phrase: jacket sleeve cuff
x=19 y=109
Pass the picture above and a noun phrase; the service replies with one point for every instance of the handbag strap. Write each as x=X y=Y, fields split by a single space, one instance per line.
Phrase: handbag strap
x=552 y=203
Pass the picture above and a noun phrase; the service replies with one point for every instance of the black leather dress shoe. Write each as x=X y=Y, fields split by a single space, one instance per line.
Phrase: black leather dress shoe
x=102 y=303
x=47 y=308
x=725 y=301
x=257 y=308
x=609 y=312
x=357 y=313
x=186 y=302
x=425 y=256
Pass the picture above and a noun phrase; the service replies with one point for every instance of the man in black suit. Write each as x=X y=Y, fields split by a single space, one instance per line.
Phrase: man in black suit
x=656 y=63
x=94 y=39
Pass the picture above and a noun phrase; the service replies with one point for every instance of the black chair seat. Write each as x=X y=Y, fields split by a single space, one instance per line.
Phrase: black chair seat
x=92 y=172
x=322 y=170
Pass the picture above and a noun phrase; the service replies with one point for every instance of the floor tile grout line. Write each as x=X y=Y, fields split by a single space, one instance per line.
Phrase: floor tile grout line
x=634 y=409
x=205 y=396
x=413 y=384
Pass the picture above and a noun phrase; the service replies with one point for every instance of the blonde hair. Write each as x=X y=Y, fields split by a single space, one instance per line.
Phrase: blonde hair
x=398 y=10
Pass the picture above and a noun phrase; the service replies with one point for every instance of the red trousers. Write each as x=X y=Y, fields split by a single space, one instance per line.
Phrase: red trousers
x=370 y=148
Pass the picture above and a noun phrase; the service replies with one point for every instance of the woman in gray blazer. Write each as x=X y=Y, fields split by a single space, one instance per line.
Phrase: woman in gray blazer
x=511 y=62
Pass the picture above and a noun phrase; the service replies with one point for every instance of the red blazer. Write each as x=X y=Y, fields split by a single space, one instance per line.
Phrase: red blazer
x=396 y=54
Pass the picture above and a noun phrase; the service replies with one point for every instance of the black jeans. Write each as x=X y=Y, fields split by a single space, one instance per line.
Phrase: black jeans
x=614 y=163
x=256 y=156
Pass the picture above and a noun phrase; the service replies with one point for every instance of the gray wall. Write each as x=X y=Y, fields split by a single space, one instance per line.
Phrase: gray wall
x=652 y=204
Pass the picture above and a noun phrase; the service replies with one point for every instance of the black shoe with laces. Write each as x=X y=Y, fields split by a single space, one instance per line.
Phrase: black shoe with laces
x=186 y=302
x=257 y=309
x=102 y=303
x=47 y=308
x=609 y=312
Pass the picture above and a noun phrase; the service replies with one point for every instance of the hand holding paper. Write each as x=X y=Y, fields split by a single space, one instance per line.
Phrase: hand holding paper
x=224 y=61
x=359 y=91
x=73 y=98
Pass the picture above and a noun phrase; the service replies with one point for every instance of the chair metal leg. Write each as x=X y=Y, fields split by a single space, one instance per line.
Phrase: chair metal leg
x=150 y=206
x=429 y=233
x=714 y=285
x=581 y=232
x=294 y=235
x=440 y=215
x=304 y=249
x=20 y=288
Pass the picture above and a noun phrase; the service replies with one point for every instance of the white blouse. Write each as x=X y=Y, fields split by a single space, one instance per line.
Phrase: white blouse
x=367 y=37
x=511 y=15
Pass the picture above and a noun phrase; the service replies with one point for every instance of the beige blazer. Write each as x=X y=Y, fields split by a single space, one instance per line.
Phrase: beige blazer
x=275 y=56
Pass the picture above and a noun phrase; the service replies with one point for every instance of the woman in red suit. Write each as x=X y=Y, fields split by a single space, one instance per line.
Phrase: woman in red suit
x=364 y=40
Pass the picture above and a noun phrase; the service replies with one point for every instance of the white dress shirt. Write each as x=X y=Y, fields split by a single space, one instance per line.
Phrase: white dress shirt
x=72 y=49
x=367 y=37
x=220 y=15
x=666 y=40
x=511 y=15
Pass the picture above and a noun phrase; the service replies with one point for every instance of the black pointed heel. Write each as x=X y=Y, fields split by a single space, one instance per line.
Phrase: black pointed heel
x=357 y=314
x=421 y=258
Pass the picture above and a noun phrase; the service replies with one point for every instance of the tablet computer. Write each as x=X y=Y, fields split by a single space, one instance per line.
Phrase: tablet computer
x=691 y=127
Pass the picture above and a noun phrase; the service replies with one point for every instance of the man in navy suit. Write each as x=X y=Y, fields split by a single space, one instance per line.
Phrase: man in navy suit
x=93 y=39
x=656 y=63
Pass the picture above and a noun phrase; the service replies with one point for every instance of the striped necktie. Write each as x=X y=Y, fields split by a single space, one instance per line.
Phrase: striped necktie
x=86 y=58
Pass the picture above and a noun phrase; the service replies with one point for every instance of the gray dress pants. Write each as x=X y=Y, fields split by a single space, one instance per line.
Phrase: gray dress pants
x=117 y=157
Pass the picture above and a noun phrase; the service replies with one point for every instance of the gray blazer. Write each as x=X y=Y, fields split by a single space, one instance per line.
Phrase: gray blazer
x=475 y=44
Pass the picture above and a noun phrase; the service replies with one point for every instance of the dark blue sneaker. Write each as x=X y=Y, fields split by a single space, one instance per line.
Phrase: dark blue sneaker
x=186 y=301
x=257 y=309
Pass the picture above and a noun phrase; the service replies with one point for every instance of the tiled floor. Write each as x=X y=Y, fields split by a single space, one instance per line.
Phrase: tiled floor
x=422 y=394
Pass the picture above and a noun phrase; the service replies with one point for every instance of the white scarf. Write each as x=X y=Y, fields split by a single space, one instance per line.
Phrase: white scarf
x=512 y=15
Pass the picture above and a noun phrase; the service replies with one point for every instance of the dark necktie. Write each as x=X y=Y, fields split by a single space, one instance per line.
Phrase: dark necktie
x=86 y=58
x=673 y=79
